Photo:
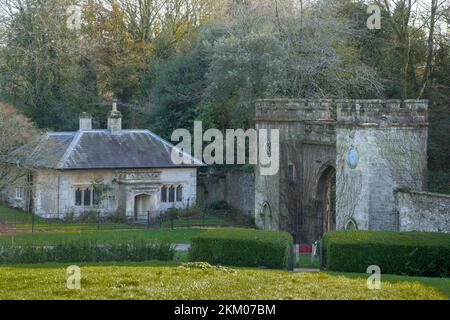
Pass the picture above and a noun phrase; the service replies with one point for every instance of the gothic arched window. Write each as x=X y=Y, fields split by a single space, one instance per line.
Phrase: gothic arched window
x=87 y=200
x=164 y=194
x=172 y=194
x=78 y=197
x=179 y=193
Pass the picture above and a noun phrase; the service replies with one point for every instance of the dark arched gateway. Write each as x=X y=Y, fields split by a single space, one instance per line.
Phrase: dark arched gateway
x=326 y=202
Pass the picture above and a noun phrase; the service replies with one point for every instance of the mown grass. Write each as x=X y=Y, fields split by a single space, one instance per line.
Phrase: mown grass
x=168 y=281
x=182 y=235
x=304 y=261
x=22 y=222
x=441 y=284
x=208 y=220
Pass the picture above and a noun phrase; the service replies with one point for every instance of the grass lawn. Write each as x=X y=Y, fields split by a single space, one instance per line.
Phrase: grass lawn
x=304 y=261
x=182 y=235
x=22 y=222
x=169 y=281
x=442 y=284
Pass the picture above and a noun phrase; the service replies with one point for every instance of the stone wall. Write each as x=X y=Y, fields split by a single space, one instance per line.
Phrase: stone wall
x=422 y=211
x=210 y=189
x=236 y=188
x=240 y=191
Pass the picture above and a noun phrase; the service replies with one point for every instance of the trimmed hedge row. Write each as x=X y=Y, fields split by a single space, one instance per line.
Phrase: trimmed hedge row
x=87 y=251
x=402 y=253
x=243 y=247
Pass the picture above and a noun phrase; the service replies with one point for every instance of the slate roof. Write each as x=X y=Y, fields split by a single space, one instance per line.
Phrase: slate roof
x=99 y=149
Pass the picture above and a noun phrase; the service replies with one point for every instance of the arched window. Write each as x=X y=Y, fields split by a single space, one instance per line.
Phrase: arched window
x=164 y=194
x=351 y=225
x=78 y=195
x=179 y=193
x=87 y=197
x=266 y=216
x=172 y=194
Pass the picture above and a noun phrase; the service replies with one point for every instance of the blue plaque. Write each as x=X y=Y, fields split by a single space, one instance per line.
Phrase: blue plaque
x=352 y=158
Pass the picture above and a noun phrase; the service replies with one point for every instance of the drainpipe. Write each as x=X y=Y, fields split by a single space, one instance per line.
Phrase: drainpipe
x=59 y=188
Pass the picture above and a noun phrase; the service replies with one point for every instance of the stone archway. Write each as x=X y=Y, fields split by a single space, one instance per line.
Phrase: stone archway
x=326 y=202
x=318 y=138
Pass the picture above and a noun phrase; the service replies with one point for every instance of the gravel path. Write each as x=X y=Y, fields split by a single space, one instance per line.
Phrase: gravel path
x=182 y=247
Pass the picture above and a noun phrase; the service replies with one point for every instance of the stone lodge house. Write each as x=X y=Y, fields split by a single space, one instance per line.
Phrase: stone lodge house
x=112 y=171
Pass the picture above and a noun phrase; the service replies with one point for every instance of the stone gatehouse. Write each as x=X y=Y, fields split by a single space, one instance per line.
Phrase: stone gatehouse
x=340 y=163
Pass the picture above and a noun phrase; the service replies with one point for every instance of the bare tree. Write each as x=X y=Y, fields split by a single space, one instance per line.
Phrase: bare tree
x=407 y=18
x=405 y=153
x=15 y=131
x=434 y=14
x=399 y=17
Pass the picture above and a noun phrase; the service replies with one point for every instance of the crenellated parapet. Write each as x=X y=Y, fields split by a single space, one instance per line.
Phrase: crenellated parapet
x=295 y=110
x=382 y=112
x=344 y=111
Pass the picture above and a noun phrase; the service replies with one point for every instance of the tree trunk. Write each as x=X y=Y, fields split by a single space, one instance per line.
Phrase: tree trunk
x=430 y=51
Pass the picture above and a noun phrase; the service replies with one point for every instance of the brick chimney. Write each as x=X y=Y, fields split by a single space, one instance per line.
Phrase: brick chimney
x=114 y=118
x=85 y=121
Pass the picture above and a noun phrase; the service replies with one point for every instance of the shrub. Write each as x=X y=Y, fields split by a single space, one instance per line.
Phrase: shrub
x=243 y=247
x=69 y=217
x=116 y=218
x=219 y=205
x=403 y=253
x=171 y=214
x=175 y=213
x=87 y=251
x=190 y=212
x=88 y=216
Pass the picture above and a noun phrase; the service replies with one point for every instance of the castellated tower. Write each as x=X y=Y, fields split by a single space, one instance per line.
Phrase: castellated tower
x=340 y=163
x=381 y=146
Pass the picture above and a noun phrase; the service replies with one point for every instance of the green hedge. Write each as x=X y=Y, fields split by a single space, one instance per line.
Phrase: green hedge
x=243 y=247
x=402 y=253
x=87 y=251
